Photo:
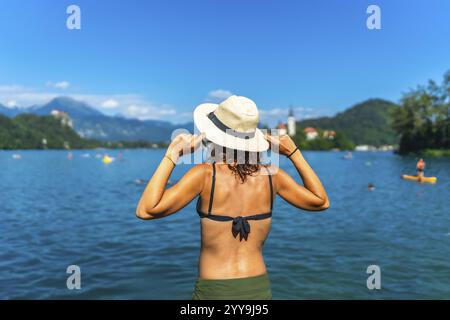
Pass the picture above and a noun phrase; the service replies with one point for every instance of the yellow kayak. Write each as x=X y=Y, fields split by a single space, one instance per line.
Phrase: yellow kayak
x=424 y=179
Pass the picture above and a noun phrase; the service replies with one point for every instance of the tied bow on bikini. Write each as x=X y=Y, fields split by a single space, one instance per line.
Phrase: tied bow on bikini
x=240 y=227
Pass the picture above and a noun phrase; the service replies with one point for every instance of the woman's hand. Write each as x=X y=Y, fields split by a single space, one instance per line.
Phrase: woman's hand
x=309 y=196
x=157 y=201
x=283 y=144
x=183 y=144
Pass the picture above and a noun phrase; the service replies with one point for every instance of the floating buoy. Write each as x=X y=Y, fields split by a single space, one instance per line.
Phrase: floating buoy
x=107 y=159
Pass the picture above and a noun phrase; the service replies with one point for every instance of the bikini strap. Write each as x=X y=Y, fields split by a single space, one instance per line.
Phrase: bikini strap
x=271 y=188
x=213 y=183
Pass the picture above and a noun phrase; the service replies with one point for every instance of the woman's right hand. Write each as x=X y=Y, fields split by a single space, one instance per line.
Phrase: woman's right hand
x=183 y=144
x=283 y=144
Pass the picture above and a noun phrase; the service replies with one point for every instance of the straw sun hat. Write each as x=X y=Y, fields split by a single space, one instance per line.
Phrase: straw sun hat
x=231 y=124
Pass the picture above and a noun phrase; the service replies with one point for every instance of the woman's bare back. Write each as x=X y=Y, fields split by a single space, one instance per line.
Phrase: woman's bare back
x=222 y=255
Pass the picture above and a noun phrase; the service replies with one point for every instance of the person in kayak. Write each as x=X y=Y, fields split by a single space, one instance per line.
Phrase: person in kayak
x=420 y=168
x=236 y=194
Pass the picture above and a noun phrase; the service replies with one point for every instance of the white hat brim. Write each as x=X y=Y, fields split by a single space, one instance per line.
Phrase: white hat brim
x=256 y=144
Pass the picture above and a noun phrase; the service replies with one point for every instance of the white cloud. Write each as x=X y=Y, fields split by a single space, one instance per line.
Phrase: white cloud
x=218 y=95
x=110 y=104
x=63 y=85
x=274 y=112
x=137 y=106
x=128 y=105
x=135 y=111
x=23 y=96
x=299 y=112
x=11 y=103
x=275 y=115
x=148 y=112
x=10 y=88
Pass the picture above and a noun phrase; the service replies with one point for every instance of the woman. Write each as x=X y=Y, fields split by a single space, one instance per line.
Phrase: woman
x=236 y=195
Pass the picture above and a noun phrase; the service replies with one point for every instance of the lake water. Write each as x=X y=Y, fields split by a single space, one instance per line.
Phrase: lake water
x=57 y=212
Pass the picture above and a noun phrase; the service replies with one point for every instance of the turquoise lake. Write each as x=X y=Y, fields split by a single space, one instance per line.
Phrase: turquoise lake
x=57 y=212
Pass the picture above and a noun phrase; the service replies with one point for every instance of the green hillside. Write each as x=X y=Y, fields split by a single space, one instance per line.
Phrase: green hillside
x=365 y=123
x=423 y=120
x=27 y=131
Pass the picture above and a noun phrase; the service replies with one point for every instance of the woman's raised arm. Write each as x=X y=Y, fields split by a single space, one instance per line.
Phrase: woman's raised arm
x=158 y=202
x=312 y=196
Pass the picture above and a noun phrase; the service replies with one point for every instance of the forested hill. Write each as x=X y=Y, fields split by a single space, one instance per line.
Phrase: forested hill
x=364 y=123
x=28 y=131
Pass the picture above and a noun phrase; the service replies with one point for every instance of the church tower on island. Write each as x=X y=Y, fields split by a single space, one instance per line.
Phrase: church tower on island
x=291 y=122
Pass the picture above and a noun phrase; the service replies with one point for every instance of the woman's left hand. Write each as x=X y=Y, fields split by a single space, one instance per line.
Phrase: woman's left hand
x=183 y=144
x=282 y=144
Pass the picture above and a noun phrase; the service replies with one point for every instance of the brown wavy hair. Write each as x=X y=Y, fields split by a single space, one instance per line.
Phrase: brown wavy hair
x=241 y=163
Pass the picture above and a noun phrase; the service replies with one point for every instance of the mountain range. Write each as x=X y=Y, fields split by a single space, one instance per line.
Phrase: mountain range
x=91 y=123
x=10 y=112
x=364 y=123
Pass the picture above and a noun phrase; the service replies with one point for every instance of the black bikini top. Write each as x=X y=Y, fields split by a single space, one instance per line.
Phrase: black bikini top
x=240 y=224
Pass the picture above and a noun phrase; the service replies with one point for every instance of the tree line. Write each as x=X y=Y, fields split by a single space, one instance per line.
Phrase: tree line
x=28 y=131
x=423 y=119
x=338 y=142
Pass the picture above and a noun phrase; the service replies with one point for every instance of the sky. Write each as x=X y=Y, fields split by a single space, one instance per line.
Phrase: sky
x=158 y=59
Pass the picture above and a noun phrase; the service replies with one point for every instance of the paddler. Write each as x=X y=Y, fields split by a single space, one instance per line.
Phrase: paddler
x=420 y=167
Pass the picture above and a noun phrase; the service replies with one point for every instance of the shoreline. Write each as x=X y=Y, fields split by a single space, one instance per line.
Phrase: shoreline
x=429 y=153
x=162 y=148
x=81 y=149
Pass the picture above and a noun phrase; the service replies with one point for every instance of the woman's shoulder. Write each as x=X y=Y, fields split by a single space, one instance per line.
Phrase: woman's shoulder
x=197 y=174
x=273 y=169
x=204 y=168
x=277 y=173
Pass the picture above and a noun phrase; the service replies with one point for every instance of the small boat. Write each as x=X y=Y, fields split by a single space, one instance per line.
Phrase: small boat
x=16 y=156
x=423 y=179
